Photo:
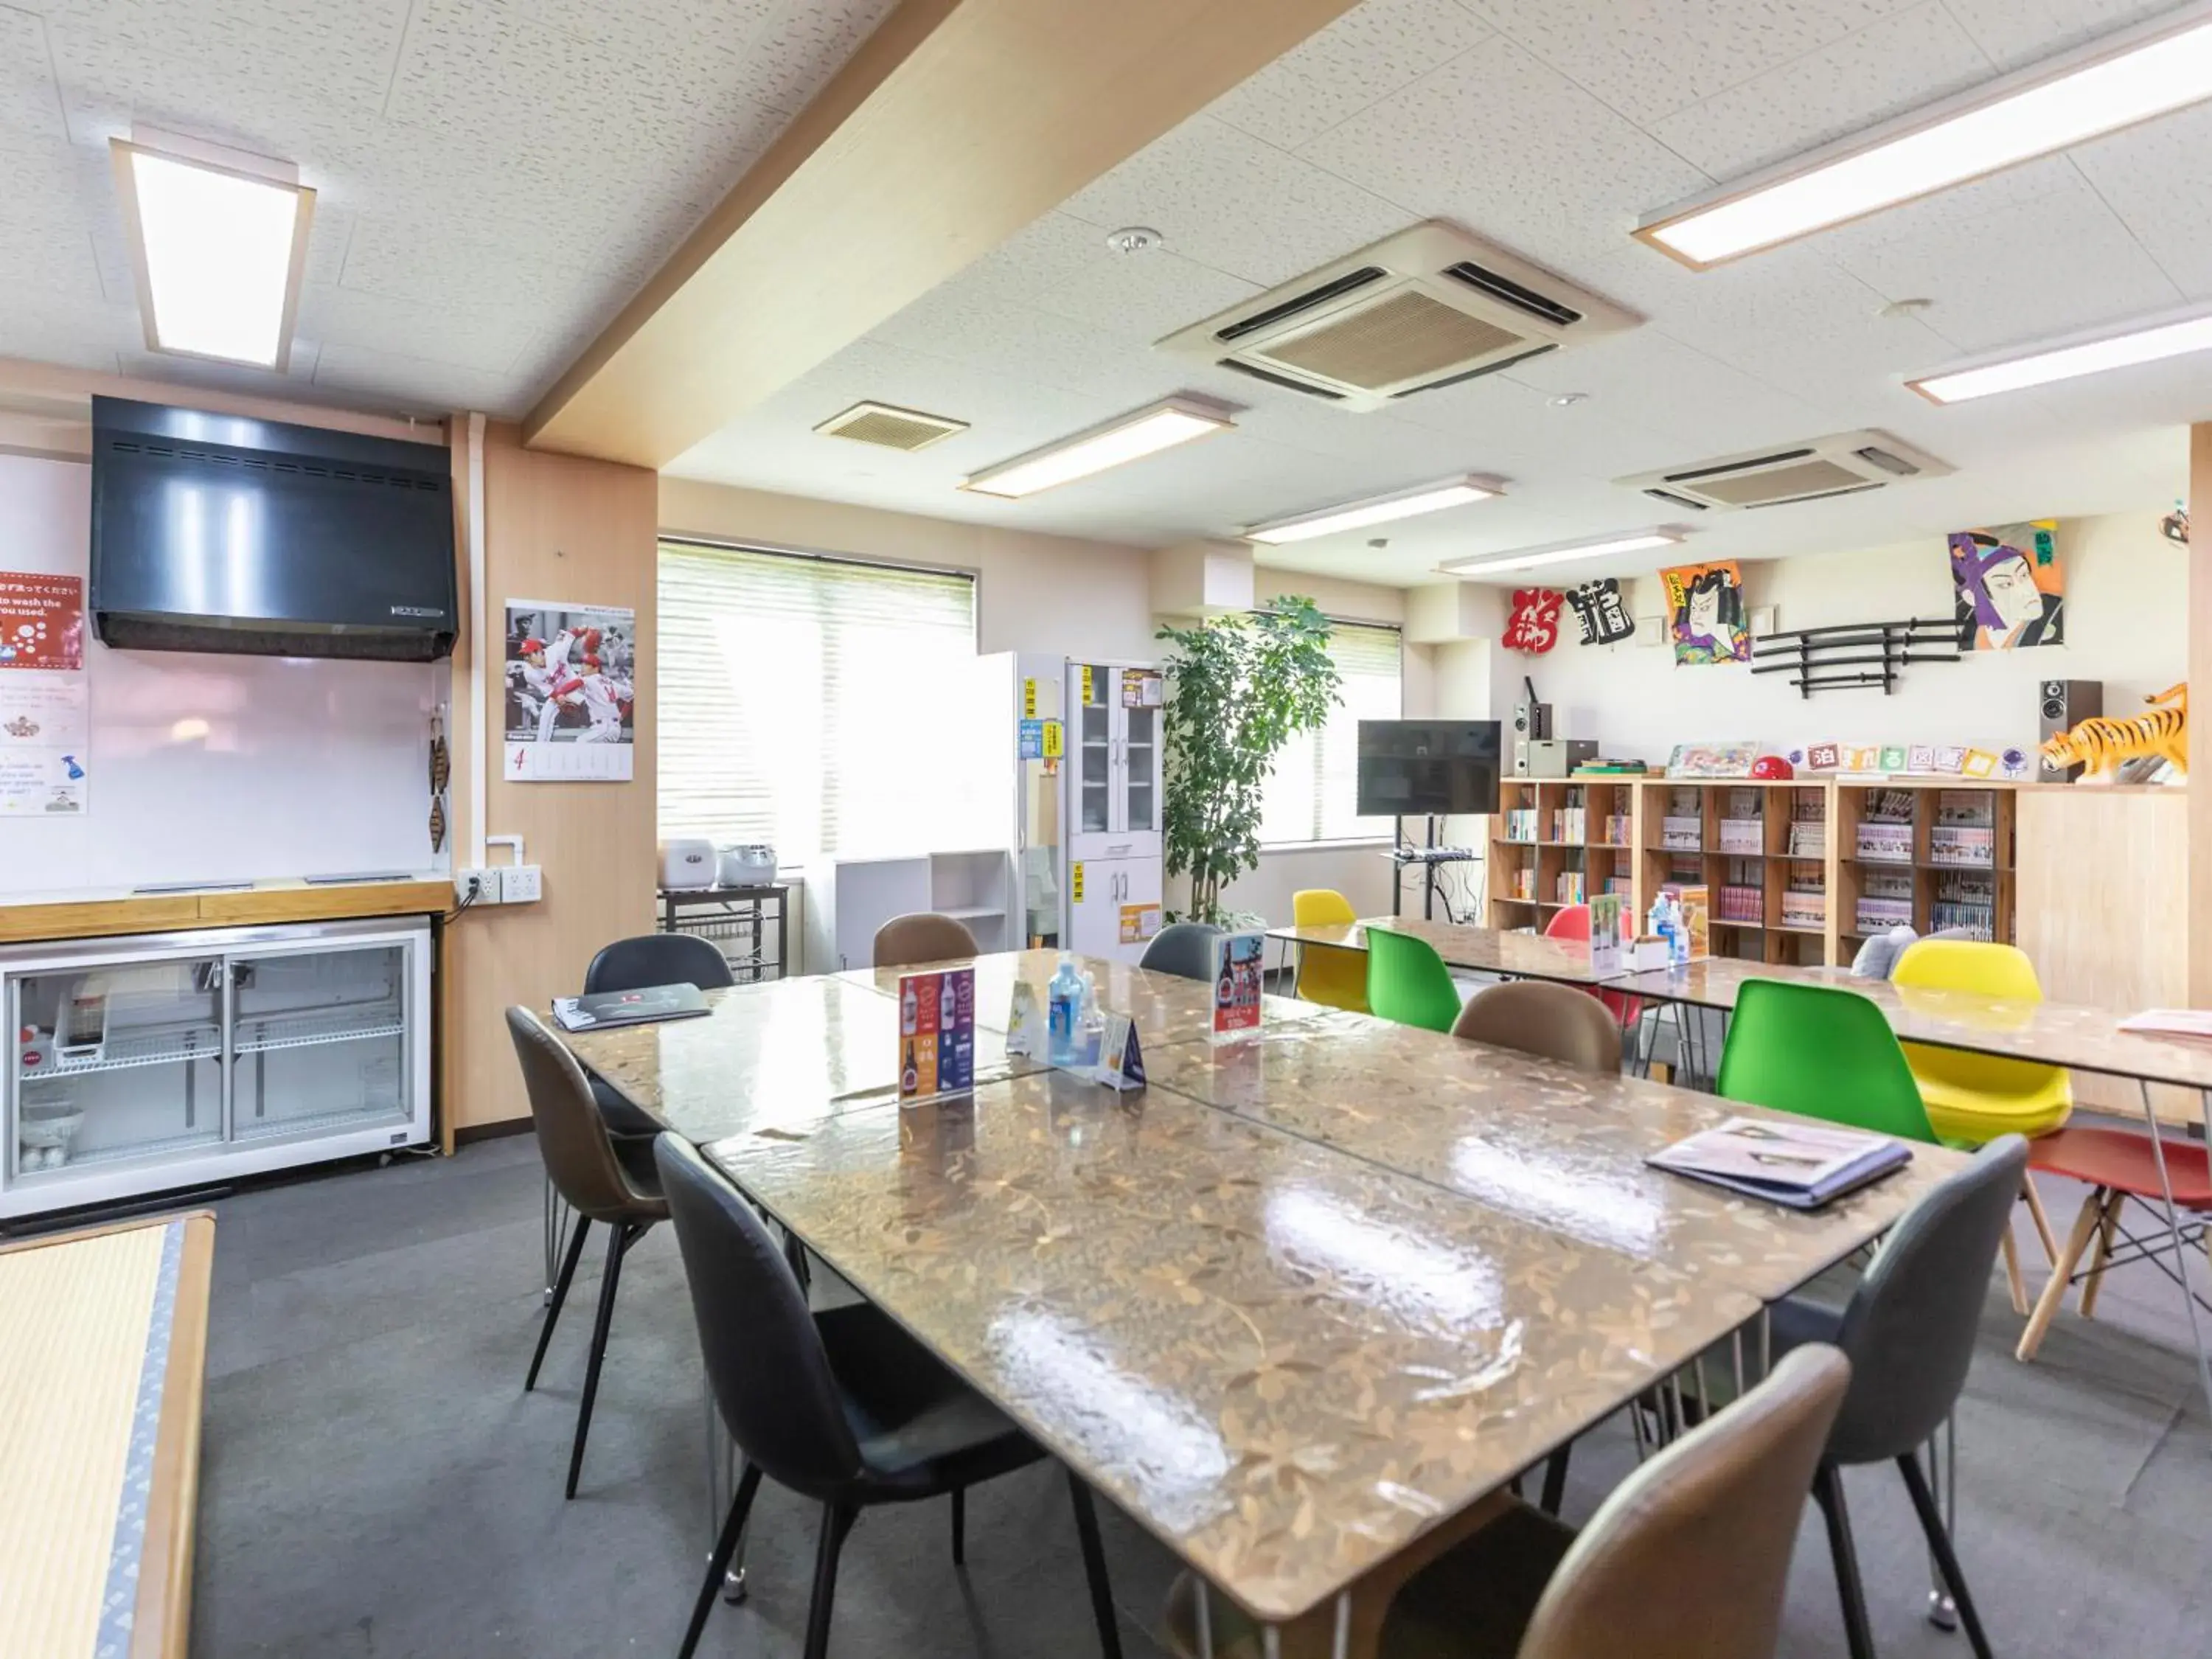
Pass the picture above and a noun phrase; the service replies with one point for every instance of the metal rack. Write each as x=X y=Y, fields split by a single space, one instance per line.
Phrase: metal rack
x=1879 y=652
x=735 y=920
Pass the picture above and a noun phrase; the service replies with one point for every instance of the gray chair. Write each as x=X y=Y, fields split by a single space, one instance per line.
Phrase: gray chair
x=604 y=1178
x=1688 y=1559
x=1909 y=1333
x=1184 y=949
x=1551 y=1021
x=908 y=941
x=633 y=964
x=841 y=1406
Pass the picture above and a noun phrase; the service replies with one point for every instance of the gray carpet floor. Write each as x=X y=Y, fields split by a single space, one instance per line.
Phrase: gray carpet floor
x=376 y=1483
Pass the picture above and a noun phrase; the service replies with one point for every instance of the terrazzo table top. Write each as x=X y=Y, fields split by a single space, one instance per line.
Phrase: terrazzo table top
x=1483 y=950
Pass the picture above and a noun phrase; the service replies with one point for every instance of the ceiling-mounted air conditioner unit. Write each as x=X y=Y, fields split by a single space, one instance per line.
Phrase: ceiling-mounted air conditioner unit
x=1424 y=308
x=1844 y=464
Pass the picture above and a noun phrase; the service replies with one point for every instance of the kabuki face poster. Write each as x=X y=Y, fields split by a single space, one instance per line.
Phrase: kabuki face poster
x=2009 y=586
x=571 y=691
x=1705 y=612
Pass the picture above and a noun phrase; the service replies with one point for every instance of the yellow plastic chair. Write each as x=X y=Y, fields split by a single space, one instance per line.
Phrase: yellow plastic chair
x=1974 y=1098
x=1329 y=973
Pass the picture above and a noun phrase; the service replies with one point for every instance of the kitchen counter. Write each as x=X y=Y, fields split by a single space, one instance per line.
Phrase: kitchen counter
x=29 y=917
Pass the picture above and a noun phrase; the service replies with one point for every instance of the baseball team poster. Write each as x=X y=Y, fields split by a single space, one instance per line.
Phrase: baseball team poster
x=571 y=692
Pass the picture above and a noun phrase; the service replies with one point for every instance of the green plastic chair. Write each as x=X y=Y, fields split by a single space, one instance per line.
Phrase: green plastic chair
x=1820 y=1053
x=1408 y=982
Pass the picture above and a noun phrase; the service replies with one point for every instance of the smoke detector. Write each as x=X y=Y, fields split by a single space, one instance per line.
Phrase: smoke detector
x=1846 y=464
x=890 y=428
x=1427 y=307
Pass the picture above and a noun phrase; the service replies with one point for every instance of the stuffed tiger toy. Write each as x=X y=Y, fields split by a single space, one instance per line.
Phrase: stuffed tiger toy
x=2100 y=745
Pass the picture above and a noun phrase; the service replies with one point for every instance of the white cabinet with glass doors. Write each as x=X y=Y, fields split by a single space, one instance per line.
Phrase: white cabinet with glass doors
x=1113 y=806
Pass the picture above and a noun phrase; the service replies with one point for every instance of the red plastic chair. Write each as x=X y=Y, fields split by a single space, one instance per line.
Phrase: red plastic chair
x=2116 y=1165
x=1573 y=924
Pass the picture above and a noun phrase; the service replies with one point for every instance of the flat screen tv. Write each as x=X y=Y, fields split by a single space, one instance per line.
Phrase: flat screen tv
x=1411 y=768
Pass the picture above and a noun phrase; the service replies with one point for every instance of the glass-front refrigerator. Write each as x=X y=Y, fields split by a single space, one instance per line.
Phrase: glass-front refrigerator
x=161 y=1062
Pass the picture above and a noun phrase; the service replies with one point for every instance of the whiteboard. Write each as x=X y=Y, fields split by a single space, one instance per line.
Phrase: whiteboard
x=210 y=768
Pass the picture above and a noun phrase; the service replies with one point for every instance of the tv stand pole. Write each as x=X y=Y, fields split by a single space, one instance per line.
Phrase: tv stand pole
x=1400 y=858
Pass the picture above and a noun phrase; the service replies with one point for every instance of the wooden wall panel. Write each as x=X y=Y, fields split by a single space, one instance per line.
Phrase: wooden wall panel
x=2199 y=862
x=556 y=528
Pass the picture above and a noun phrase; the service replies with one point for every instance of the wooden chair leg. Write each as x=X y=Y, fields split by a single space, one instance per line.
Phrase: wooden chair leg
x=2014 y=1282
x=2061 y=1271
x=2034 y=1201
x=2100 y=1254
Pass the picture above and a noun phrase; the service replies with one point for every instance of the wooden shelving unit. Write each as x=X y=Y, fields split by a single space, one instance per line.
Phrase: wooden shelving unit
x=1782 y=861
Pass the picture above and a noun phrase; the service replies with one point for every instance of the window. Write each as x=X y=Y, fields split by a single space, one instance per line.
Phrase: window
x=1314 y=786
x=793 y=694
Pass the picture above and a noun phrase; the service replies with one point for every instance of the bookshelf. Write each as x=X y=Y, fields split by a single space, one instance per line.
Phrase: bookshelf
x=1929 y=855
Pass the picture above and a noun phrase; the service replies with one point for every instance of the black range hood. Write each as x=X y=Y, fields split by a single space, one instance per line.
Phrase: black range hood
x=215 y=532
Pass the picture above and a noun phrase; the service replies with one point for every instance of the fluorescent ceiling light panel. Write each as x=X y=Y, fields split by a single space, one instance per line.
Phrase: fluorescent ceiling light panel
x=1380 y=509
x=218 y=237
x=1129 y=438
x=2130 y=77
x=1528 y=558
x=2146 y=344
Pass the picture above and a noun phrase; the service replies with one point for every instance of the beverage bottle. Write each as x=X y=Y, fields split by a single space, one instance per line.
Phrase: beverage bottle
x=1063 y=1004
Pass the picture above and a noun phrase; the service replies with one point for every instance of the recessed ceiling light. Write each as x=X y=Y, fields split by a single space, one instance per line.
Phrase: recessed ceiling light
x=1378 y=509
x=218 y=239
x=2147 y=343
x=2127 y=78
x=1128 y=437
x=1568 y=399
x=1133 y=239
x=1527 y=558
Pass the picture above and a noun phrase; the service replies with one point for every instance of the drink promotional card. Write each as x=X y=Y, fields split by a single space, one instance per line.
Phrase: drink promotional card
x=1605 y=936
x=937 y=1033
x=1237 y=971
x=1697 y=921
x=1120 y=1061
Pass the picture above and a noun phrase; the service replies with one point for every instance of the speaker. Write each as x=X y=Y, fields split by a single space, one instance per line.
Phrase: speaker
x=2061 y=704
x=1532 y=721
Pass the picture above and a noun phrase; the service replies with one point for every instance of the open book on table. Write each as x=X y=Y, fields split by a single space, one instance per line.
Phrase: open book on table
x=1802 y=1165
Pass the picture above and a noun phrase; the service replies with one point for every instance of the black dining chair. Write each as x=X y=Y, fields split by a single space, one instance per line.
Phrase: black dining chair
x=604 y=1178
x=839 y=1406
x=634 y=964
x=1184 y=949
x=1909 y=1333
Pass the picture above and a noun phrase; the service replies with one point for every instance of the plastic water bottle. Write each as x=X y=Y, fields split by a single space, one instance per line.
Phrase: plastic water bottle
x=1658 y=925
x=1063 y=1008
x=1677 y=934
x=1090 y=1026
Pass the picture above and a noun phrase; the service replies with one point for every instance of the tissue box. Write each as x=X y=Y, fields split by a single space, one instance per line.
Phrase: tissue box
x=1649 y=951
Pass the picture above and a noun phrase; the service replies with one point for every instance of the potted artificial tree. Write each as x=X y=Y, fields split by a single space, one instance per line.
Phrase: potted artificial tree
x=1238 y=689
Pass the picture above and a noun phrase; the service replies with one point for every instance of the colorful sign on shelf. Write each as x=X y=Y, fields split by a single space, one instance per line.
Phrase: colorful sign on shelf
x=1605 y=910
x=1696 y=904
x=937 y=1033
x=1237 y=974
x=1142 y=687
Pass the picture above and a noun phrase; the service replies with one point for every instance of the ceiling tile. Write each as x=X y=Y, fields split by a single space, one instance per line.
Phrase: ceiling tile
x=1140 y=297
x=1886 y=69
x=413 y=384
x=2016 y=33
x=1647 y=58
x=1724 y=408
x=298 y=375
x=1511 y=150
x=1223 y=198
x=2155 y=177
x=41 y=323
x=1032 y=347
x=30 y=99
x=2024 y=255
x=486 y=342
x=1369 y=52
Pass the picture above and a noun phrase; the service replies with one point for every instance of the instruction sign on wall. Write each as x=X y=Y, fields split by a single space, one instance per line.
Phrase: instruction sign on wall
x=44 y=728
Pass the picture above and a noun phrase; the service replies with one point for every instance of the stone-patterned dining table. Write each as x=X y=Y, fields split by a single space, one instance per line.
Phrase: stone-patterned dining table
x=1462 y=944
x=1311 y=1298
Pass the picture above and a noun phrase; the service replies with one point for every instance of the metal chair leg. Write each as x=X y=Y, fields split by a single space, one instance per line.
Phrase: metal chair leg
x=1828 y=1492
x=719 y=1562
x=1939 y=1541
x=1094 y=1567
x=959 y=1526
x=836 y=1523
x=619 y=1238
x=1555 y=1479
x=560 y=1294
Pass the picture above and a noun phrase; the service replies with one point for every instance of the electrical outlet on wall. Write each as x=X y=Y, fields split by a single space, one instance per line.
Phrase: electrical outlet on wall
x=520 y=883
x=475 y=886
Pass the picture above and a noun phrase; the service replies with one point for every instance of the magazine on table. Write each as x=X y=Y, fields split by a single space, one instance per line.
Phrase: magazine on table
x=2171 y=1022
x=604 y=1009
x=1802 y=1165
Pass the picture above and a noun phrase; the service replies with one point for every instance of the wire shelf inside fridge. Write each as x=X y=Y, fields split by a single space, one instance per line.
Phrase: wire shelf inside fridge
x=264 y=1034
x=160 y=1045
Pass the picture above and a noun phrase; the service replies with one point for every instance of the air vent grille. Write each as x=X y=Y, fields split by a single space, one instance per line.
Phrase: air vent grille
x=1350 y=282
x=1401 y=338
x=1259 y=374
x=258 y=463
x=1499 y=286
x=890 y=428
x=1814 y=478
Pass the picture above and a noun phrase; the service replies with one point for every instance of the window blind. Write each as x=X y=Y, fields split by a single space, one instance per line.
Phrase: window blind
x=1311 y=794
x=792 y=693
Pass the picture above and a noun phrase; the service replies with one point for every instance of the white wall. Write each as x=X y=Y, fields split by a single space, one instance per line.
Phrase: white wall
x=2126 y=624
